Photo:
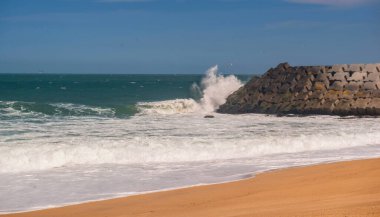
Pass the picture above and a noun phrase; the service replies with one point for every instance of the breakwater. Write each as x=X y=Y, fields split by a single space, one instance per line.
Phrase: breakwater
x=332 y=90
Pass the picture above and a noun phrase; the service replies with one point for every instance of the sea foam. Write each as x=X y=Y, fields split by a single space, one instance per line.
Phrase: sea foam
x=174 y=138
x=214 y=90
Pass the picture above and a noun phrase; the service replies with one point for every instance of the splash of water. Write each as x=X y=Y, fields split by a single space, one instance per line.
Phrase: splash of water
x=216 y=88
x=213 y=91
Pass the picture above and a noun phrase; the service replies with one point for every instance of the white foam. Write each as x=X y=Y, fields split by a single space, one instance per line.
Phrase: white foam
x=214 y=91
x=38 y=190
x=169 y=107
x=175 y=138
x=216 y=88
x=82 y=109
x=14 y=109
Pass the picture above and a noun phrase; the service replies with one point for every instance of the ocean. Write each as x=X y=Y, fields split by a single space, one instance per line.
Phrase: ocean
x=66 y=139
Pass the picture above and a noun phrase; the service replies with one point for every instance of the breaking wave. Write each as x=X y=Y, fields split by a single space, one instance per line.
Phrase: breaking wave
x=177 y=106
x=211 y=93
x=137 y=141
x=17 y=109
x=213 y=90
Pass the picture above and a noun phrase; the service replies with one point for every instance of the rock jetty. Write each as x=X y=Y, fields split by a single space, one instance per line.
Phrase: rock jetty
x=329 y=90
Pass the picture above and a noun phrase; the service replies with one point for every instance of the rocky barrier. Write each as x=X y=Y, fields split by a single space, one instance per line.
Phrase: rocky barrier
x=331 y=90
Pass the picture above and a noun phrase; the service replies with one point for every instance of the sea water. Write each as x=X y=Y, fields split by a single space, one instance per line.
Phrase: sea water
x=66 y=139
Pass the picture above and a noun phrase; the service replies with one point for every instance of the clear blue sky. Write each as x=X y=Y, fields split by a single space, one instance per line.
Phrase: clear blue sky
x=184 y=36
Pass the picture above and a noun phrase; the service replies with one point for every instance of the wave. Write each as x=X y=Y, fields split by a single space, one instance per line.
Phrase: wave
x=213 y=91
x=145 y=150
x=14 y=109
x=167 y=107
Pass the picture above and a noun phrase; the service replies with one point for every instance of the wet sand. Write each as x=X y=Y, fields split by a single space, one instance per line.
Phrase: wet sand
x=337 y=189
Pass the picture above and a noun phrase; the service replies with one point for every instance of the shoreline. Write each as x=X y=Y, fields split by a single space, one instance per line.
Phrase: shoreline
x=348 y=187
x=244 y=176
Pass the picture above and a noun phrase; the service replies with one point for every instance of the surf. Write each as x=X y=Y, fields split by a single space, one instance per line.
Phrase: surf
x=213 y=90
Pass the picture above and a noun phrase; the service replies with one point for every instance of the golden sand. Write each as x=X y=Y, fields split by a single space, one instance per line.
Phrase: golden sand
x=338 y=189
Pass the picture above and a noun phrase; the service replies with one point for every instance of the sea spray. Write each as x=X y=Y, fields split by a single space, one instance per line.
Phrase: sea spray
x=216 y=88
x=213 y=91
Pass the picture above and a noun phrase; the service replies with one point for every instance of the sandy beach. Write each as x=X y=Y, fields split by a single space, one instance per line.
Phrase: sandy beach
x=336 y=189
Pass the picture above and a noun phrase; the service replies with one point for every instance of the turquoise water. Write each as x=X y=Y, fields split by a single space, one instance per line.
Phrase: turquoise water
x=45 y=93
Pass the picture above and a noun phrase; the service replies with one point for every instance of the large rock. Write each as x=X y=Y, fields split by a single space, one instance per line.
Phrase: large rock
x=339 y=89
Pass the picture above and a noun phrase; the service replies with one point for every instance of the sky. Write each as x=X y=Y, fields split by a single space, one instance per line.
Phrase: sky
x=184 y=36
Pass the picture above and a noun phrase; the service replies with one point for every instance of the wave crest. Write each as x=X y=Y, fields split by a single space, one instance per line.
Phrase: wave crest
x=178 y=106
x=214 y=90
x=14 y=109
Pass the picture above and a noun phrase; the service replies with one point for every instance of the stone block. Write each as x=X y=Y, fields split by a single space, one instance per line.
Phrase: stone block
x=371 y=68
x=313 y=107
x=338 y=85
x=274 y=87
x=265 y=88
x=285 y=107
x=264 y=106
x=328 y=106
x=319 y=86
x=304 y=84
x=284 y=88
x=316 y=95
x=268 y=97
x=298 y=106
x=371 y=85
x=290 y=78
x=273 y=108
x=278 y=98
x=253 y=99
x=332 y=95
x=311 y=77
x=374 y=107
x=338 y=68
x=286 y=97
x=274 y=73
x=298 y=77
x=308 y=85
x=343 y=107
x=354 y=85
x=375 y=102
x=373 y=76
x=346 y=95
x=375 y=94
x=322 y=77
x=363 y=94
x=280 y=78
x=339 y=76
x=302 y=96
x=357 y=76
x=354 y=68
x=315 y=70
x=292 y=85
x=360 y=103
